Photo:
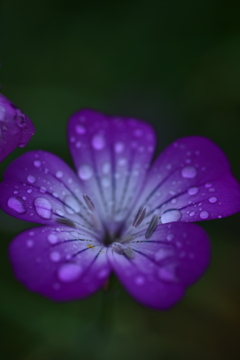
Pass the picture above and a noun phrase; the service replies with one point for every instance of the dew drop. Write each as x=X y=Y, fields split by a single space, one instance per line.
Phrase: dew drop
x=105 y=182
x=162 y=254
x=193 y=190
x=15 y=192
x=85 y=172
x=170 y=237
x=43 y=207
x=29 y=243
x=139 y=280
x=43 y=189
x=212 y=200
x=189 y=172
x=119 y=147
x=68 y=273
x=29 y=191
x=80 y=129
x=106 y=168
x=204 y=214
x=55 y=256
x=37 y=163
x=192 y=213
x=59 y=174
x=16 y=204
x=137 y=132
x=171 y=216
x=52 y=239
x=167 y=274
x=71 y=204
x=122 y=162
x=98 y=142
x=31 y=179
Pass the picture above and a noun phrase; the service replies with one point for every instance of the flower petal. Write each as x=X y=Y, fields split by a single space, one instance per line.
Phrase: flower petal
x=39 y=187
x=111 y=156
x=191 y=181
x=16 y=129
x=174 y=257
x=59 y=262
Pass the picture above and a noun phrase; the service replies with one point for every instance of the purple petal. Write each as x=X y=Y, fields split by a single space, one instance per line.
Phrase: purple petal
x=16 y=129
x=59 y=262
x=111 y=156
x=39 y=187
x=173 y=258
x=191 y=181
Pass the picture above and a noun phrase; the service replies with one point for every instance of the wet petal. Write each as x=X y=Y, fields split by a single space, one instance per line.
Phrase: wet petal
x=174 y=257
x=16 y=129
x=40 y=187
x=111 y=156
x=190 y=181
x=59 y=262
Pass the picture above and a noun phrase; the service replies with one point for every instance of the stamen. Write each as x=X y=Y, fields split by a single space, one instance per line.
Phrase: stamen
x=129 y=253
x=65 y=221
x=122 y=250
x=89 y=202
x=126 y=238
x=152 y=226
x=95 y=221
x=139 y=216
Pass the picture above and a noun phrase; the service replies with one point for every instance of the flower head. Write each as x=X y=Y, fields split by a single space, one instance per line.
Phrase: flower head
x=16 y=129
x=117 y=213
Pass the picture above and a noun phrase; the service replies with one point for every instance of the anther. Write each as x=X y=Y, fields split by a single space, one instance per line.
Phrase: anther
x=152 y=226
x=123 y=250
x=65 y=221
x=139 y=216
x=89 y=202
x=126 y=239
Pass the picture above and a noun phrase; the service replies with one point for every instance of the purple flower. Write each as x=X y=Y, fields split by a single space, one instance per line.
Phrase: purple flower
x=16 y=129
x=118 y=212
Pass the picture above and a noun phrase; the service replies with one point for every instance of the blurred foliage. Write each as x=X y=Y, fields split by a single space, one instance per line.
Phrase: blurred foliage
x=172 y=63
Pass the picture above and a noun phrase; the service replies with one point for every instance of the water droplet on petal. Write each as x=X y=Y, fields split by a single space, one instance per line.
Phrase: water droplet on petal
x=52 y=239
x=105 y=182
x=212 y=200
x=139 y=280
x=98 y=142
x=68 y=273
x=29 y=243
x=55 y=256
x=170 y=237
x=171 y=216
x=167 y=273
x=204 y=214
x=102 y=274
x=122 y=162
x=106 y=168
x=189 y=172
x=59 y=174
x=80 y=129
x=85 y=172
x=31 y=179
x=162 y=254
x=119 y=147
x=29 y=191
x=37 y=163
x=192 y=213
x=193 y=190
x=17 y=205
x=43 y=189
x=43 y=207
x=71 y=204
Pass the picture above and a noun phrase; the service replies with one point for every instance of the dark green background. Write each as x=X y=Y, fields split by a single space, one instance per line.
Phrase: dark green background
x=173 y=63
